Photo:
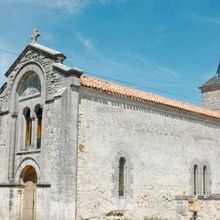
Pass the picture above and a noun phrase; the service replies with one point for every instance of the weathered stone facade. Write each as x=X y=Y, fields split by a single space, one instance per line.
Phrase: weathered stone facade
x=85 y=132
x=55 y=163
x=162 y=146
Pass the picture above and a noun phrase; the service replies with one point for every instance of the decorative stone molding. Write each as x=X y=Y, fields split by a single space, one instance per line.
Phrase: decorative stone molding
x=28 y=152
x=200 y=197
x=29 y=161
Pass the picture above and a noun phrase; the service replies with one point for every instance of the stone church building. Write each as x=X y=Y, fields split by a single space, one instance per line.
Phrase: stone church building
x=74 y=147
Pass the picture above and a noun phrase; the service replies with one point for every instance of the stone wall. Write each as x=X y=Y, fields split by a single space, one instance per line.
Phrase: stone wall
x=162 y=145
x=211 y=99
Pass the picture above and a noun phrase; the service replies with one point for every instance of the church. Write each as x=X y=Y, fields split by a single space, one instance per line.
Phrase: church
x=75 y=147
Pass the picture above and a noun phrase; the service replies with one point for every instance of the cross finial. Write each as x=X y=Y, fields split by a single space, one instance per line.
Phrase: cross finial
x=35 y=36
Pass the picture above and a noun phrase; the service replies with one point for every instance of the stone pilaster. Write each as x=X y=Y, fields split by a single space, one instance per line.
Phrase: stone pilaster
x=12 y=147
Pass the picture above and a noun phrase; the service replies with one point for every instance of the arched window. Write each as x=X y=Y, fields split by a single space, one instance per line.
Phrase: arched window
x=39 y=112
x=204 y=177
x=122 y=173
x=195 y=179
x=29 y=86
x=28 y=129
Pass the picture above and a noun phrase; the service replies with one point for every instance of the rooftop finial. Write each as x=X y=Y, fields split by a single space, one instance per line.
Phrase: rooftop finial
x=35 y=36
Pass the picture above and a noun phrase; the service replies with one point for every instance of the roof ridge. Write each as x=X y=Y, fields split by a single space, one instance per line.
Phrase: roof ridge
x=46 y=49
x=59 y=56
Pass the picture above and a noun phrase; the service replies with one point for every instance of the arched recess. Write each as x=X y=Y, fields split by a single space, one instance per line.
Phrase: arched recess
x=30 y=67
x=28 y=90
x=28 y=178
x=29 y=161
x=16 y=106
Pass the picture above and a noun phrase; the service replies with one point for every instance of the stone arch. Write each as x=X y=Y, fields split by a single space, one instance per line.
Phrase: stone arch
x=30 y=67
x=29 y=161
x=124 y=154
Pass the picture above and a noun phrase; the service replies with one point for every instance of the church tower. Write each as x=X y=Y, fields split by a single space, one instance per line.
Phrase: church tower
x=211 y=91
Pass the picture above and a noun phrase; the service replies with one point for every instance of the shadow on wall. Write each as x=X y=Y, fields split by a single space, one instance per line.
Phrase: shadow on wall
x=121 y=215
x=121 y=218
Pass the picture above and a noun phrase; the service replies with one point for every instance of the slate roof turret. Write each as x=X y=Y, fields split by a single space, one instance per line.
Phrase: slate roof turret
x=214 y=81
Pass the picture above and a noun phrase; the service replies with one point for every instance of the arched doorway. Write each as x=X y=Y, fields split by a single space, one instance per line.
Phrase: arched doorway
x=29 y=178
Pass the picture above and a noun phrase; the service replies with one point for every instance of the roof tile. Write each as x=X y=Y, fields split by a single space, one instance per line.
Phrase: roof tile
x=117 y=89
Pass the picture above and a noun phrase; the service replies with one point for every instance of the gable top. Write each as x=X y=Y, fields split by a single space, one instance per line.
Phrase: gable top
x=113 y=88
x=53 y=53
x=47 y=49
x=215 y=80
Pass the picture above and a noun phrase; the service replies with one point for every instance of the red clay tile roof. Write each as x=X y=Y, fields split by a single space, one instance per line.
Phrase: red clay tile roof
x=113 y=88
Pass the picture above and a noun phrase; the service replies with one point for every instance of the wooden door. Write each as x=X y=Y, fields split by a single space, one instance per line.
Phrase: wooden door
x=29 y=195
x=29 y=201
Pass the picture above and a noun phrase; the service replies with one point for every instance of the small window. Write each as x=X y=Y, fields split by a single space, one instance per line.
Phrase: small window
x=122 y=174
x=195 y=179
x=39 y=112
x=28 y=129
x=204 y=175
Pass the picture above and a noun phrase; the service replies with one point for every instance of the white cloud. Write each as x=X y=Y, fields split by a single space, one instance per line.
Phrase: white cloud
x=154 y=68
x=207 y=19
x=93 y=51
x=86 y=42
x=48 y=37
x=72 y=6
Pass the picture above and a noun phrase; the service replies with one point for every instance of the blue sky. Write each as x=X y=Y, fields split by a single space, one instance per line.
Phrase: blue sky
x=168 y=47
